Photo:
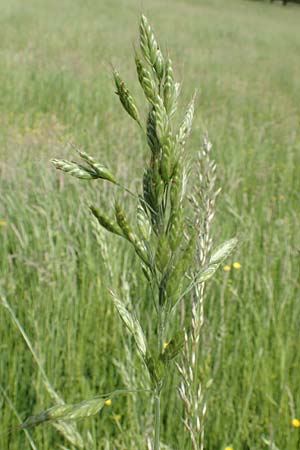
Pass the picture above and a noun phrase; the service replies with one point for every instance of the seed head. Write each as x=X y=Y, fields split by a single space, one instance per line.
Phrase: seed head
x=150 y=48
x=74 y=169
x=170 y=92
x=126 y=98
x=146 y=81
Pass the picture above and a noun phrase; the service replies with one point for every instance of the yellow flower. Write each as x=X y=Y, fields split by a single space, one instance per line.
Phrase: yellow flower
x=237 y=265
x=296 y=423
x=227 y=269
x=3 y=223
x=166 y=345
x=108 y=402
x=228 y=448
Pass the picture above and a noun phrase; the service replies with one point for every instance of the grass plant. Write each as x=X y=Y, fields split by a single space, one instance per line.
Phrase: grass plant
x=165 y=237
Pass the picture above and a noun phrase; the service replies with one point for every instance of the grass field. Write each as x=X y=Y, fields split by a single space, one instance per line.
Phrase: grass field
x=56 y=87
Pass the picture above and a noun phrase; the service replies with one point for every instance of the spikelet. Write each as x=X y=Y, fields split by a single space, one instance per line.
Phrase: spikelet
x=184 y=262
x=176 y=185
x=152 y=138
x=166 y=159
x=147 y=190
x=175 y=228
x=186 y=125
x=223 y=251
x=126 y=98
x=132 y=324
x=157 y=183
x=170 y=90
x=144 y=224
x=163 y=253
x=100 y=170
x=123 y=223
x=105 y=221
x=75 y=411
x=150 y=48
x=74 y=169
x=129 y=234
x=146 y=81
x=161 y=120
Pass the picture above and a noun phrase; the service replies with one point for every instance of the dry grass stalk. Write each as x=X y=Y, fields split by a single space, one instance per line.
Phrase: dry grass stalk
x=191 y=389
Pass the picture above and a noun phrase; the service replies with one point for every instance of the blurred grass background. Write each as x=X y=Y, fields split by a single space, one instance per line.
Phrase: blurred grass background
x=56 y=87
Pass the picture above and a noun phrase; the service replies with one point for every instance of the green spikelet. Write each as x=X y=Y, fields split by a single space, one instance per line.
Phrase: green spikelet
x=101 y=171
x=163 y=253
x=132 y=324
x=147 y=191
x=146 y=81
x=186 y=125
x=129 y=234
x=74 y=169
x=166 y=159
x=150 y=47
x=152 y=138
x=105 y=221
x=161 y=120
x=75 y=411
x=170 y=91
x=157 y=183
x=126 y=98
x=184 y=262
x=143 y=222
x=159 y=65
x=176 y=186
x=175 y=229
x=123 y=223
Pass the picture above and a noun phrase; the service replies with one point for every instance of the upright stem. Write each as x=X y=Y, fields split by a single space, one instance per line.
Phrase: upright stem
x=157 y=421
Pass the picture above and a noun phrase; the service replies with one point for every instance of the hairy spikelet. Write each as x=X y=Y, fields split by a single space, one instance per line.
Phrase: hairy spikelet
x=175 y=228
x=166 y=161
x=100 y=170
x=152 y=138
x=106 y=222
x=144 y=224
x=163 y=253
x=150 y=48
x=186 y=125
x=129 y=234
x=126 y=98
x=132 y=324
x=74 y=169
x=146 y=81
x=170 y=90
x=161 y=120
x=75 y=411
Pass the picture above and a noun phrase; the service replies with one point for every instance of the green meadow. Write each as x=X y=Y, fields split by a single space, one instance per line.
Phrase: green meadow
x=57 y=94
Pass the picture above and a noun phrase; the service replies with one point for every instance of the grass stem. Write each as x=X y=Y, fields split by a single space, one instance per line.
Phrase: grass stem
x=157 y=421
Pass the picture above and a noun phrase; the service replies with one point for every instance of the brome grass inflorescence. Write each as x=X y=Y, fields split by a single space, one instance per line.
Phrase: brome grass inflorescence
x=169 y=238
